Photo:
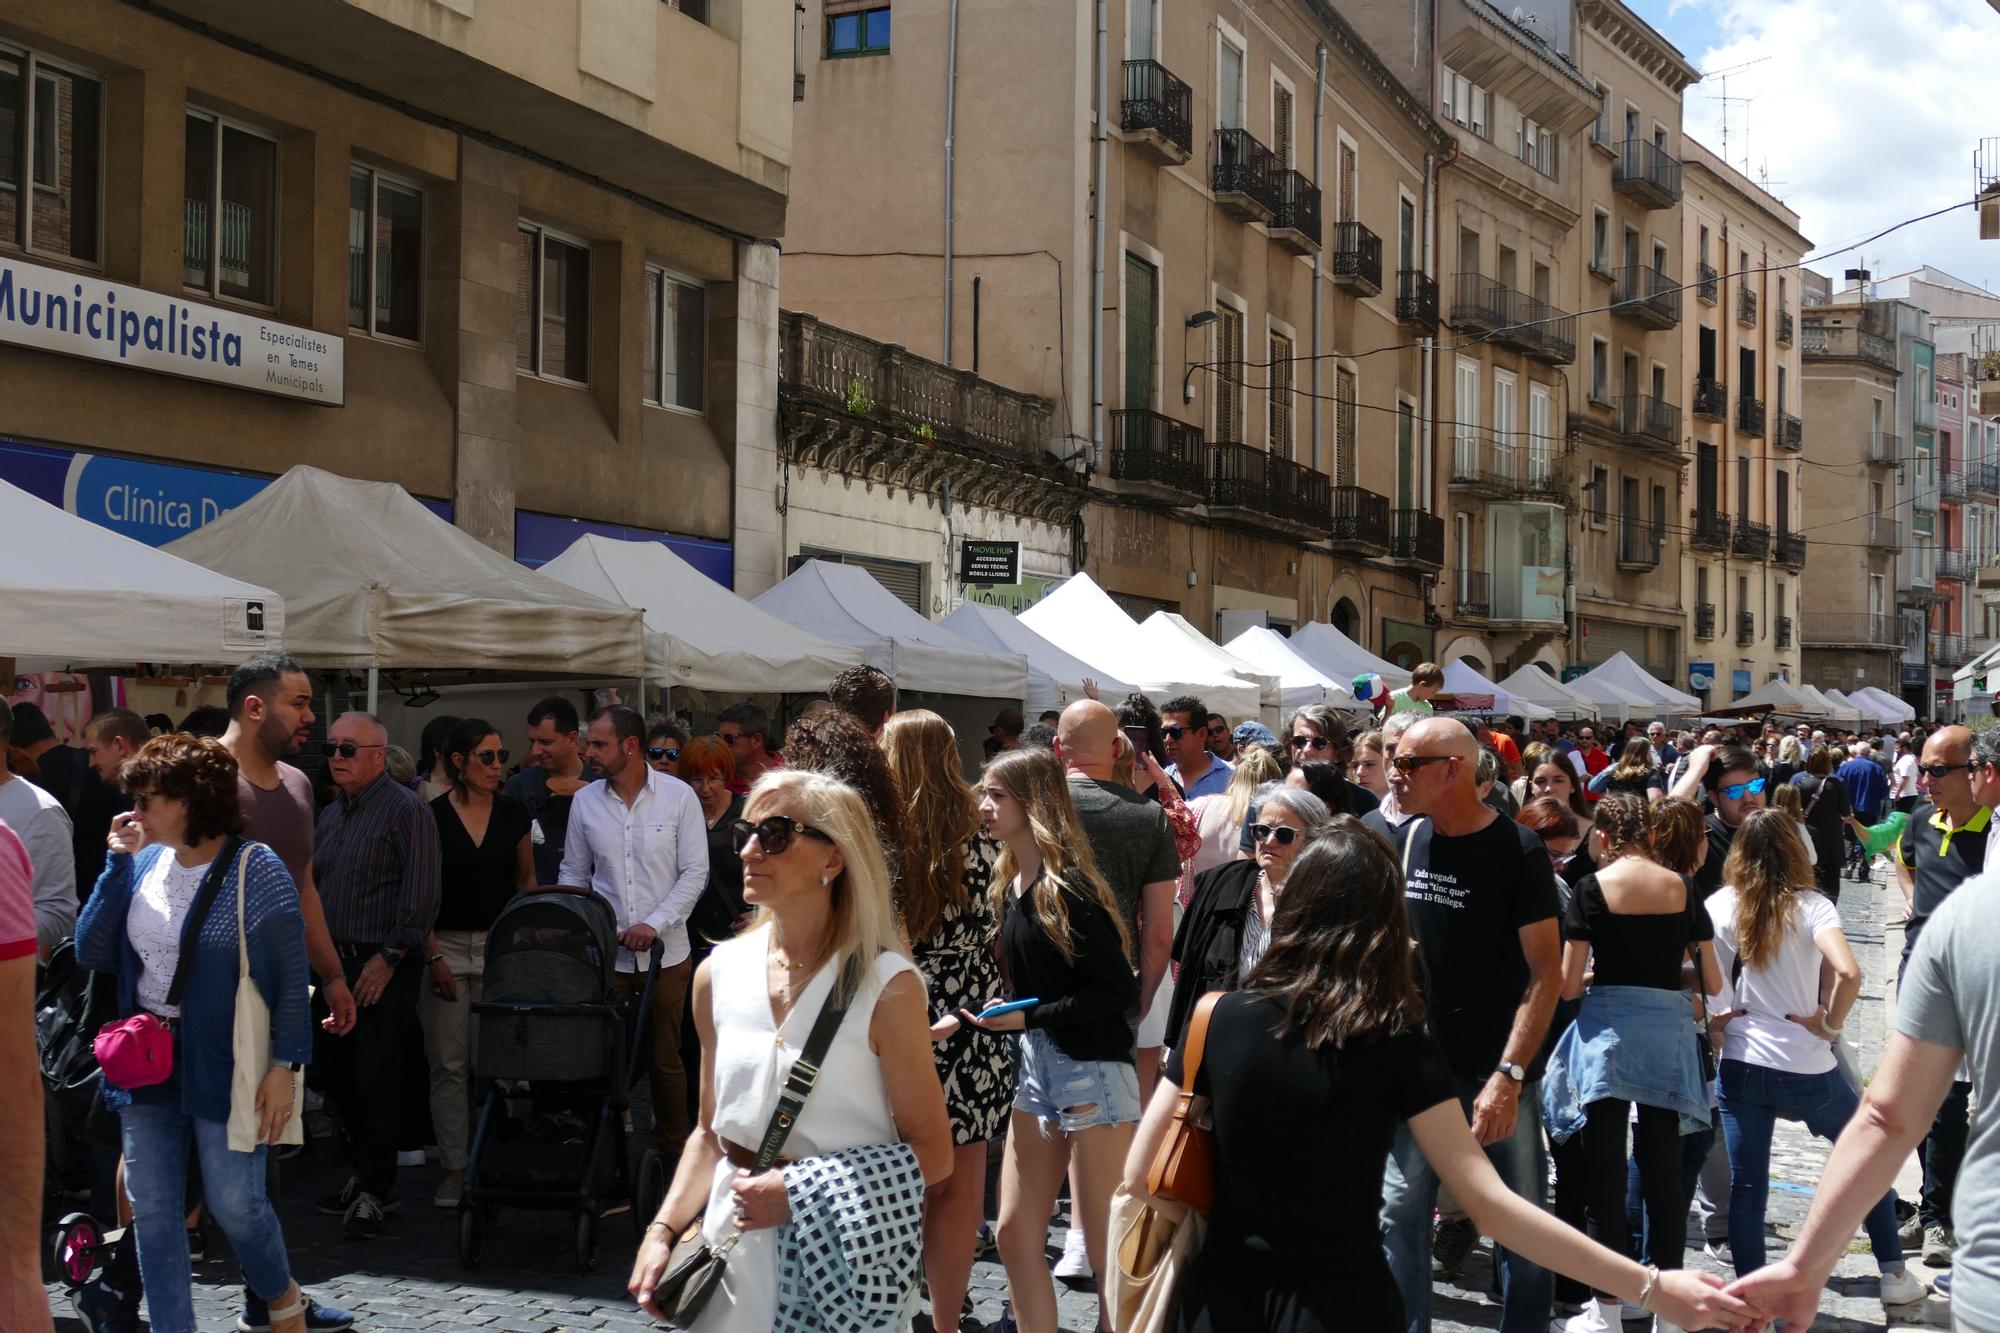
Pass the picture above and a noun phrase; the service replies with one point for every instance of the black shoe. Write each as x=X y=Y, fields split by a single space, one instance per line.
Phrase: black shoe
x=256 y=1316
x=1453 y=1244
x=364 y=1217
x=336 y=1205
x=197 y=1245
x=103 y=1310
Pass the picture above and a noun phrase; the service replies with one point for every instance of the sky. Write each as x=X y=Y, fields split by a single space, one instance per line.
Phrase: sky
x=1861 y=113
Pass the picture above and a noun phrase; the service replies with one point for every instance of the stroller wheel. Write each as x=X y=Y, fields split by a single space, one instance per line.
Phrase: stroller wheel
x=586 y=1239
x=473 y=1226
x=649 y=1190
x=78 y=1243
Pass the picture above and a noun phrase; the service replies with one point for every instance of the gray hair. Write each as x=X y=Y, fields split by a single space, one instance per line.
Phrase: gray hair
x=1324 y=719
x=1986 y=746
x=1305 y=807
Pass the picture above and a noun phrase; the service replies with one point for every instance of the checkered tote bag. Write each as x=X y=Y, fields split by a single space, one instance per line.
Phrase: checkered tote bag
x=850 y=1259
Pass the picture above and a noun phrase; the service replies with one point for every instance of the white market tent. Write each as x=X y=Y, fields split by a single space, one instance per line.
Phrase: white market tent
x=844 y=603
x=81 y=595
x=1055 y=678
x=1172 y=636
x=1534 y=684
x=1966 y=682
x=1892 y=709
x=1841 y=713
x=1781 y=696
x=1629 y=677
x=1863 y=708
x=373 y=579
x=699 y=634
x=1299 y=680
x=1341 y=657
x=1080 y=618
x=1468 y=691
x=1614 y=702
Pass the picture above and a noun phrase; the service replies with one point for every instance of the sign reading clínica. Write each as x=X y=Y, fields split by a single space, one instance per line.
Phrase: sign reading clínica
x=989 y=561
x=77 y=315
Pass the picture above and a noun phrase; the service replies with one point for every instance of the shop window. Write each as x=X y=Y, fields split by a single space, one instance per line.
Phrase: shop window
x=51 y=141
x=676 y=360
x=552 y=306
x=229 y=216
x=385 y=255
x=858 y=32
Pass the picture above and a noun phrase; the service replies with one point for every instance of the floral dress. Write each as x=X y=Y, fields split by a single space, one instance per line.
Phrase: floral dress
x=960 y=971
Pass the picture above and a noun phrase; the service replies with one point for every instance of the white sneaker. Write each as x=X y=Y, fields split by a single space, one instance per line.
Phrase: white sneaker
x=1903 y=1288
x=410 y=1157
x=1594 y=1319
x=1075 y=1261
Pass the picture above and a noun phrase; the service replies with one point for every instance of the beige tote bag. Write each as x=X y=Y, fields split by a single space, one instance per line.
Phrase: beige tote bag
x=251 y=1043
x=1150 y=1252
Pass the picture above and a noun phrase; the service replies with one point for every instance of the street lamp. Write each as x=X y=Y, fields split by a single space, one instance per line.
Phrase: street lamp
x=1200 y=319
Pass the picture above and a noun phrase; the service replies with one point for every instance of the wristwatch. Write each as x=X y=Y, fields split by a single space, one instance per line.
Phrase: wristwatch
x=393 y=957
x=1513 y=1071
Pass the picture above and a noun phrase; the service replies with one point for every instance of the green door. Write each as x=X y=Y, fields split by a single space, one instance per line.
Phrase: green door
x=1142 y=302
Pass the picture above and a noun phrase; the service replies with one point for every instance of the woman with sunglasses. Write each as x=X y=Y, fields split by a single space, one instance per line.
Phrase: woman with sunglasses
x=1228 y=920
x=1222 y=818
x=665 y=740
x=1318 y=735
x=485 y=857
x=813 y=871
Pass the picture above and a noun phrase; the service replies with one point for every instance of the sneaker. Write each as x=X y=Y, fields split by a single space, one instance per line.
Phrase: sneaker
x=1075 y=1261
x=102 y=1310
x=336 y=1205
x=363 y=1220
x=983 y=1244
x=1903 y=1288
x=410 y=1157
x=1938 y=1245
x=1718 y=1250
x=1452 y=1244
x=1911 y=1232
x=1941 y=1284
x=256 y=1316
x=1592 y=1320
x=451 y=1193
x=197 y=1245
x=1005 y=1323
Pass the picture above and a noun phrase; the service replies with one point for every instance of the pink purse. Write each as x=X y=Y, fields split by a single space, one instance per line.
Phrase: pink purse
x=138 y=1052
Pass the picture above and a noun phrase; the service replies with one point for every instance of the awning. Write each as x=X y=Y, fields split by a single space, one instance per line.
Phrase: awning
x=1341 y=657
x=1893 y=709
x=1171 y=635
x=1055 y=678
x=1468 y=691
x=1629 y=677
x=1534 y=684
x=1777 y=696
x=1300 y=681
x=1080 y=618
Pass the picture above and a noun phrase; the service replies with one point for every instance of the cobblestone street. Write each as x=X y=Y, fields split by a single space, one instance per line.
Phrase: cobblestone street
x=411 y=1277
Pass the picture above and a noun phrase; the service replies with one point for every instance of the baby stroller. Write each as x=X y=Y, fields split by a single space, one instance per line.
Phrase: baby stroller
x=67 y=1009
x=555 y=1061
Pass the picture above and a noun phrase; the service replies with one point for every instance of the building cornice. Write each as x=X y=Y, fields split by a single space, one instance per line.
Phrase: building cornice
x=1639 y=42
x=1416 y=111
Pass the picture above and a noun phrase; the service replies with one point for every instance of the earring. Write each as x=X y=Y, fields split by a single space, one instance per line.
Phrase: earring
x=826 y=879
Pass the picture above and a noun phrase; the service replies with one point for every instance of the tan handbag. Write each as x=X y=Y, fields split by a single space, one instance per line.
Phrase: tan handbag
x=250 y=1043
x=1183 y=1168
x=1150 y=1254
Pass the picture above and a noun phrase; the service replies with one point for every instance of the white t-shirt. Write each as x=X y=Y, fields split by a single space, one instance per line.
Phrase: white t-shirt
x=1789 y=984
x=153 y=925
x=1903 y=777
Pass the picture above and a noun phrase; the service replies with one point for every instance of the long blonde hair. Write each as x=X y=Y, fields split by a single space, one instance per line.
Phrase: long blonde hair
x=1767 y=867
x=864 y=915
x=940 y=816
x=1255 y=766
x=1035 y=779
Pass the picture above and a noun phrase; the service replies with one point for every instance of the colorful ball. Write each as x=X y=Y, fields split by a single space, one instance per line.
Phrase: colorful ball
x=1370 y=688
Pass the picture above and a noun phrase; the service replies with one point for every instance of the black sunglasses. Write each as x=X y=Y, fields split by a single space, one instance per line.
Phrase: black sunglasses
x=1265 y=832
x=1173 y=733
x=492 y=756
x=774 y=833
x=1938 y=771
x=662 y=752
x=1305 y=742
x=348 y=749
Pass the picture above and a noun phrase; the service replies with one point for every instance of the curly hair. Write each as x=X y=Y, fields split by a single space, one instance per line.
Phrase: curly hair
x=836 y=743
x=866 y=692
x=195 y=769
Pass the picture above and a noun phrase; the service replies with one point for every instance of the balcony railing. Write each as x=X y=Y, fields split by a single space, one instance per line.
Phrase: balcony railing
x=1416 y=298
x=1482 y=464
x=1750 y=416
x=1296 y=222
x=1704 y=620
x=1647 y=297
x=1707 y=282
x=1784 y=327
x=1357 y=258
x=1884 y=447
x=1820 y=341
x=1711 y=398
x=1514 y=319
x=1638 y=544
x=1954 y=566
x=1952 y=487
x=1750 y=540
x=1791 y=550
x=1246 y=176
x=1152 y=449
x=1472 y=594
x=1781 y=632
x=1360 y=520
x=1746 y=305
x=1651 y=422
x=1951 y=650
x=1158 y=110
x=1261 y=484
x=1791 y=433
x=1983 y=479
x=1709 y=530
x=1477 y=304
x=1746 y=628
x=1418 y=539
x=1646 y=174
x=1885 y=534
x=1838 y=629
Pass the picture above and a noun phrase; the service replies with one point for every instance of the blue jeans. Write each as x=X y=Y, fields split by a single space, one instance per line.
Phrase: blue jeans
x=157 y=1140
x=1753 y=1097
x=1409 y=1194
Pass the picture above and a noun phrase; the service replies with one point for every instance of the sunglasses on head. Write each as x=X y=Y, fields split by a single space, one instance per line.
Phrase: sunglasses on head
x=492 y=756
x=1305 y=742
x=1736 y=791
x=774 y=833
x=348 y=749
x=1937 y=771
x=1407 y=764
x=662 y=752
x=1266 y=832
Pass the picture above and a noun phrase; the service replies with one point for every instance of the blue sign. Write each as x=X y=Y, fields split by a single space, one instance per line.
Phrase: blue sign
x=1701 y=676
x=1739 y=683
x=540 y=538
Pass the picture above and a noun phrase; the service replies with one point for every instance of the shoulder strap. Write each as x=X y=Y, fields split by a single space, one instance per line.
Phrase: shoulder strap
x=197 y=916
x=242 y=895
x=1197 y=1037
x=805 y=1073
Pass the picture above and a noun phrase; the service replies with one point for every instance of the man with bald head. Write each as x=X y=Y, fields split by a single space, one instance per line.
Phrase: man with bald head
x=375 y=860
x=1482 y=905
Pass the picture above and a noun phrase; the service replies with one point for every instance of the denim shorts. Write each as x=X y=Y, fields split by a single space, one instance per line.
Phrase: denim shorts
x=1048 y=1083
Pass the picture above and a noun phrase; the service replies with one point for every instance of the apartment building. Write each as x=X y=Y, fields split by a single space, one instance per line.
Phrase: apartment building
x=1968 y=485
x=1743 y=573
x=1233 y=355
x=507 y=256
x=1627 y=396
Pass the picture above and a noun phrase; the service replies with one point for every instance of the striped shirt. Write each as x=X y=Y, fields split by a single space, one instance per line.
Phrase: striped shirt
x=375 y=864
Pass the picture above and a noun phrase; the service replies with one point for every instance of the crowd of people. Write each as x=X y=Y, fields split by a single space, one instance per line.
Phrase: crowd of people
x=1457 y=965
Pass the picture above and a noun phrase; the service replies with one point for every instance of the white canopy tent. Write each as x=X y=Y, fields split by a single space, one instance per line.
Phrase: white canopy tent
x=1615 y=703
x=373 y=579
x=1629 y=677
x=1534 y=684
x=1172 y=636
x=1893 y=709
x=1055 y=678
x=1080 y=618
x=1843 y=714
x=1467 y=691
x=1864 y=708
x=1781 y=696
x=844 y=603
x=79 y=595
x=1301 y=682
x=699 y=634
x=1341 y=657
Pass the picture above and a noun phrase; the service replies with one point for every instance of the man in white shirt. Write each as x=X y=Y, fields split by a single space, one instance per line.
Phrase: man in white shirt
x=45 y=830
x=1903 y=776
x=637 y=838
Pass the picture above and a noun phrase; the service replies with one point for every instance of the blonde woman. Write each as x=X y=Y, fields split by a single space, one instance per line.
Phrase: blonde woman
x=1220 y=817
x=949 y=919
x=1077 y=1095
x=816 y=877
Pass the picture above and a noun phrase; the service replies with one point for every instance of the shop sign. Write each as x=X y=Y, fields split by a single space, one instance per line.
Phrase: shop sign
x=1701 y=676
x=995 y=562
x=75 y=314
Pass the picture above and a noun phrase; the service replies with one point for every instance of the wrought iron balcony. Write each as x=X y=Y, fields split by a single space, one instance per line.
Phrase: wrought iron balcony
x=1478 y=305
x=1646 y=174
x=1746 y=628
x=1158 y=111
x=1647 y=297
x=1885 y=534
x=1951 y=650
x=1791 y=435
x=1651 y=423
x=1258 y=488
x=1828 y=342
x=1844 y=629
x=1746 y=305
x=1954 y=567
x=1785 y=323
x=1472 y=594
x=1750 y=540
x=1704 y=620
x=1709 y=531
x=1416 y=298
x=1296 y=224
x=1791 y=549
x=1478 y=467
x=1781 y=632
x=1360 y=521
x=1952 y=487
x=1156 y=456
x=1750 y=416
x=1708 y=283
x=1983 y=479
x=1885 y=448
x=1418 y=539
x=1246 y=176
x=1638 y=545
x=1542 y=331
x=1711 y=398
x=1357 y=259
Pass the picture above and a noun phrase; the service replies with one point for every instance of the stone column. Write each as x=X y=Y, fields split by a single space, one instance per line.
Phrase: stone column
x=743 y=325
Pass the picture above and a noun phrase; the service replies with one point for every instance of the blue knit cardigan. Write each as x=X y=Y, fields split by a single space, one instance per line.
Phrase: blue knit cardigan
x=203 y=1060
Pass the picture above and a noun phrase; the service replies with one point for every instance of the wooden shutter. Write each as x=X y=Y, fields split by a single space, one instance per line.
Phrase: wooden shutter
x=1229 y=376
x=1280 y=380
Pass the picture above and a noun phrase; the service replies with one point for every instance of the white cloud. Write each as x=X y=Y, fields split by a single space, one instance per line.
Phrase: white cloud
x=1864 y=112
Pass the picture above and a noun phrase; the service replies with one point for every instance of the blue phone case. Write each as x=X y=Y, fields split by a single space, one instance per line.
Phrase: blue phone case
x=1011 y=1006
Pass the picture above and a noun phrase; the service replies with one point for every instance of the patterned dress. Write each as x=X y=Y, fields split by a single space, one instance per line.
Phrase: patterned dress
x=959 y=969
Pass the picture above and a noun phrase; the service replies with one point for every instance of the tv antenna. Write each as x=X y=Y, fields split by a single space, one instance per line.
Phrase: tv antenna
x=1722 y=76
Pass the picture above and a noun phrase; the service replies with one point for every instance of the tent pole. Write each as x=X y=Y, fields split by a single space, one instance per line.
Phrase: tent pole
x=374 y=687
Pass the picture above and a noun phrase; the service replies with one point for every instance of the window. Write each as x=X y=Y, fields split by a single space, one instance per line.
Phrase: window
x=1659 y=511
x=1600 y=241
x=1229 y=374
x=1350 y=185
x=1463 y=102
x=1506 y=420
x=1229 y=85
x=1600 y=493
x=1140 y=38
x=1541 y=448
x=1536 y=146
x=385 y=255
x=1346 y=397
x=676 y=360
x=1406 y=456
x=552 y=306
x=1702 y=246
x=229 y=218
x=1600 y=129
x=1465 y=429
x=1461 y=531
x=1406 y=233
x=1600 y=371
x=858 y=32
x=1142 y=304
x=1280 y=380
x=60 y=129
x=1281 y=125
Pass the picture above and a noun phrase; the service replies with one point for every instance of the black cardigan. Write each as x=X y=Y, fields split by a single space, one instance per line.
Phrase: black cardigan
x=1210 y=938
x=1085 y=999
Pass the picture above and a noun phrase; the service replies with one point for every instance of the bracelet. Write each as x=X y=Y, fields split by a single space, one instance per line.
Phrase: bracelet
x=434 y=960
x=1646 y=1292
x=1832 y=1032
